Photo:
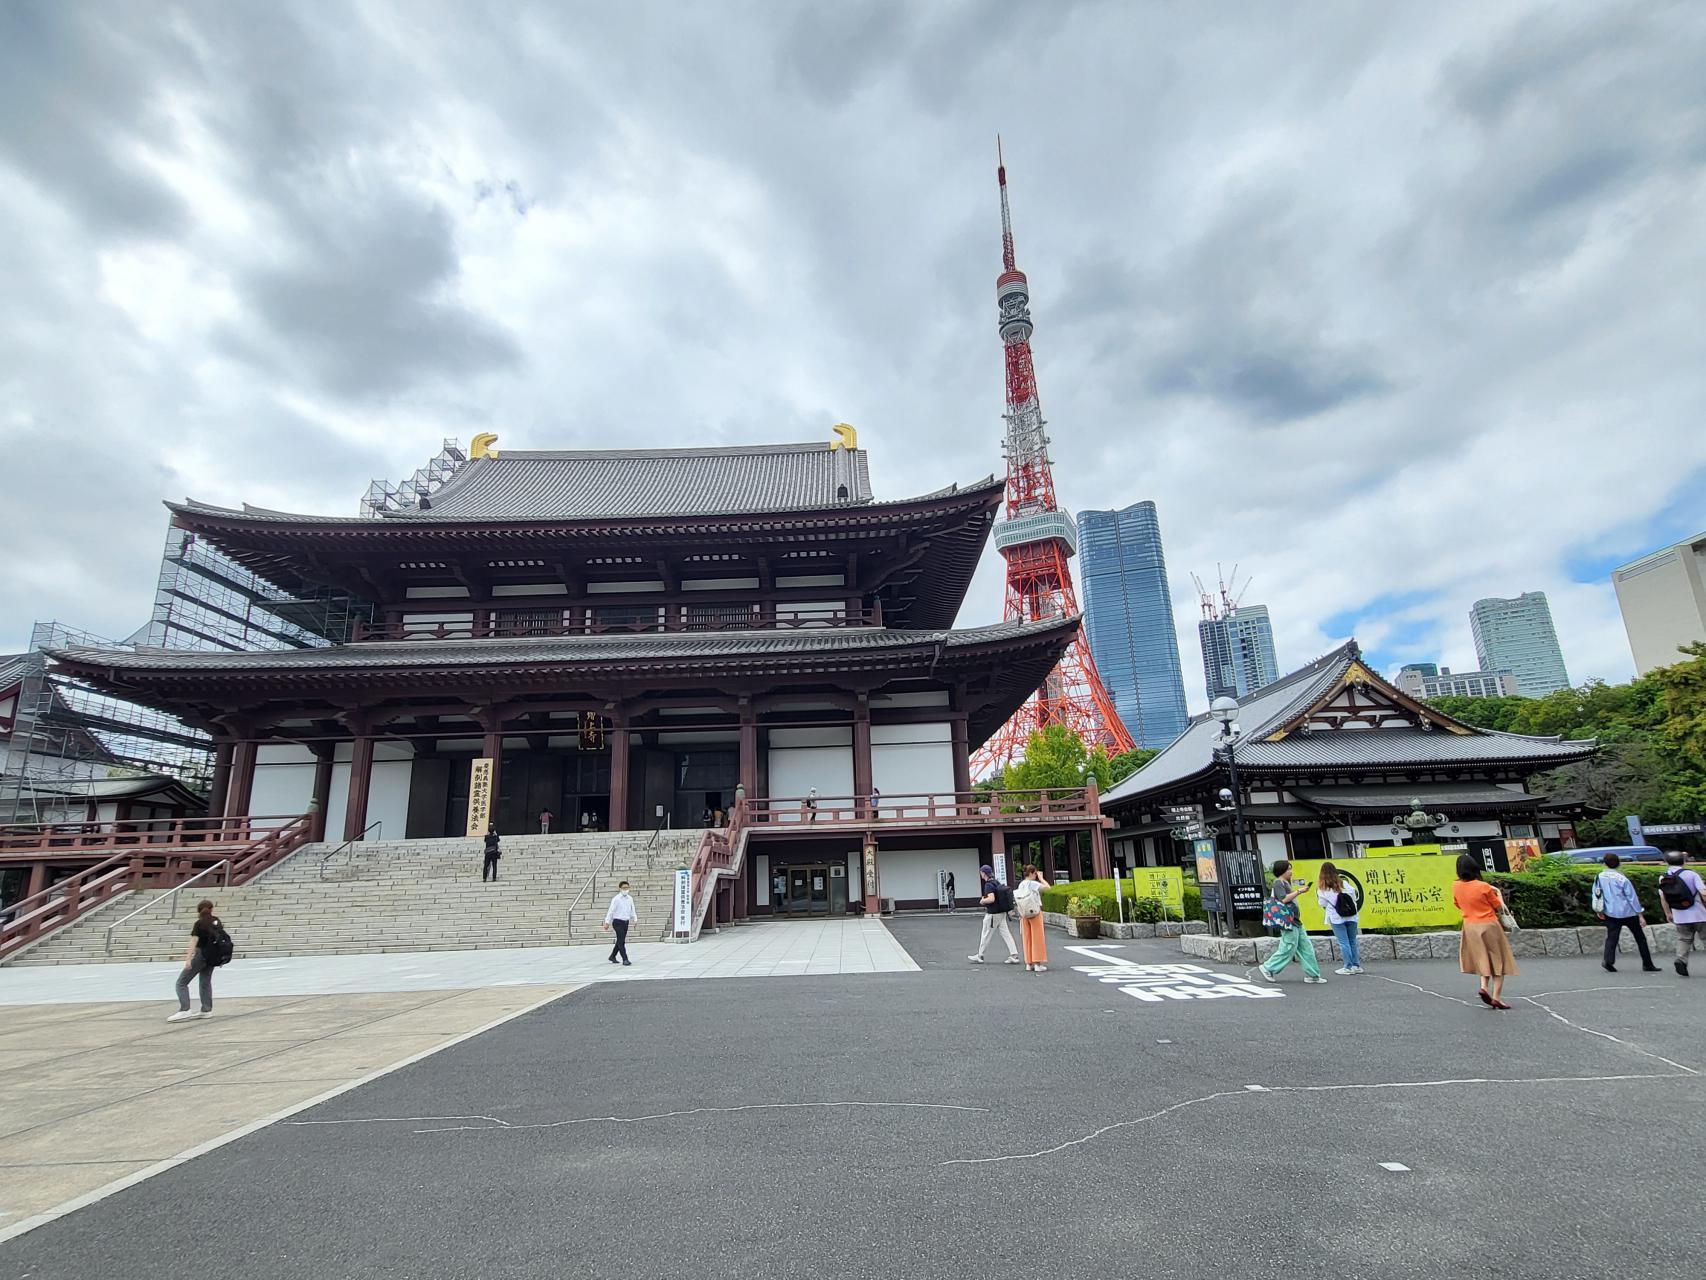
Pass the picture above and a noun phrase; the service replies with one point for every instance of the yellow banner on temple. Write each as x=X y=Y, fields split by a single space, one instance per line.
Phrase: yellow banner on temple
x=480 y=797
x=1396 y=892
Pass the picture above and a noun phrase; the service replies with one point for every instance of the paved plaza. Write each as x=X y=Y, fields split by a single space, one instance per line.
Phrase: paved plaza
x=1128 y=1113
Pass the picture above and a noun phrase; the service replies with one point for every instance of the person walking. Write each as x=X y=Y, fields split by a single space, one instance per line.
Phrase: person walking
x=997 y=900
x=1339 y=905
x=617 y=918
x=948 y=884
x=200 y=960
x=1682 y=894
x=489 y=869
x=1028 y=899
x=810 y=805
x=545 y=816
x=1616 y=902
x=1483 y=949
x=1281 y=912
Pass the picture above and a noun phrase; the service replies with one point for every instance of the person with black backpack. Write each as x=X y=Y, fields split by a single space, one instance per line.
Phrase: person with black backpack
x=997 y=900
x=489 y=868
x=1339 y=905
x=1682 y=894
x=210 y=947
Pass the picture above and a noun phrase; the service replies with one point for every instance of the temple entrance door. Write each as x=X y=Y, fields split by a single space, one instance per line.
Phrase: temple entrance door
x=807 y=891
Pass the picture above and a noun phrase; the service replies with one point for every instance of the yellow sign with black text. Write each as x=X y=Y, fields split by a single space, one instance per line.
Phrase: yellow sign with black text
x=1165 y=884
x=1395 y=892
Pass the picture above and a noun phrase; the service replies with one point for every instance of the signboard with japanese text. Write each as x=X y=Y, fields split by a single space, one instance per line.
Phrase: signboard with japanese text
x=1396 y=892
x=684 y=900
x=480 y=796
x=1165 y=884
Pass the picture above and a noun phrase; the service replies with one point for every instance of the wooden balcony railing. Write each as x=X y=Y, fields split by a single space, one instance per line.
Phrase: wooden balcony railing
x=783 y=619
x=30 y=841
x=996 y=808
x=147 y=868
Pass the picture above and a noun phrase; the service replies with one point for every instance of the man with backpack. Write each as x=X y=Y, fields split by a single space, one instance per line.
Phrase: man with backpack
x=489 y=868
x=1683 y=895
x=997 y=900
x=210 y=947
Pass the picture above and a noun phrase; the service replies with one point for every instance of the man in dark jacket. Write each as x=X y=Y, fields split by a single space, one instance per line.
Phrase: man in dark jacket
x=997 y=901
x=490 y=870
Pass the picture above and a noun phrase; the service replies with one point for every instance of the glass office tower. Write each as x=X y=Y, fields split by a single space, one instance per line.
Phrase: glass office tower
x=1128 y=618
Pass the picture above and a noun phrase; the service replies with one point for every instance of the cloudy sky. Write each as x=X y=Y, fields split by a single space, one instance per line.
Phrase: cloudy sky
x=1395 y=306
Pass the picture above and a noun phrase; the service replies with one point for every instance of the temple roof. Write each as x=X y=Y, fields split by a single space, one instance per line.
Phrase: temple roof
x=1283 y=730
x=1006 y=660
x=583 y=484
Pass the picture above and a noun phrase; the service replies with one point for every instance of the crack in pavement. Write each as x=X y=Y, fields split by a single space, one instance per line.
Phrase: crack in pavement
x=494 y=1123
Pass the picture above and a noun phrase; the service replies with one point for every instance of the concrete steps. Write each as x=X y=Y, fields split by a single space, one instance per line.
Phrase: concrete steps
x=404 y=895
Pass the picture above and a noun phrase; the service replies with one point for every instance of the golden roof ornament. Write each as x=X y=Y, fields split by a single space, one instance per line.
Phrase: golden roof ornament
x=481 y=445
x=846 y=437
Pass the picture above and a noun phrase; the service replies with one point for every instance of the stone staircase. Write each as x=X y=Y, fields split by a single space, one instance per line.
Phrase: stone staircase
x=404 y=895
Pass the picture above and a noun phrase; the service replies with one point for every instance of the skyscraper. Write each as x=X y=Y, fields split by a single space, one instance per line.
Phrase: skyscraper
x=1238 y=651
x=1663 y=600
x=1128 y=616
x=1517 y=635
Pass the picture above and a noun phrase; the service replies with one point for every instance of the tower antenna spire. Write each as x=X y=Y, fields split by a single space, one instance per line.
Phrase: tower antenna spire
x=1037 y=538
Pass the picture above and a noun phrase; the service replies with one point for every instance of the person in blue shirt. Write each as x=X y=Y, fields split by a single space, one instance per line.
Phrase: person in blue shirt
x=1616 y=902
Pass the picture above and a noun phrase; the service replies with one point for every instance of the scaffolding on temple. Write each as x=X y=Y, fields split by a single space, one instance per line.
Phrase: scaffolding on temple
x=383 y=496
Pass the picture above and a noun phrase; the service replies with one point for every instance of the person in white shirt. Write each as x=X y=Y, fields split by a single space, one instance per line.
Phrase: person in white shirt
x=619 y=917
x=1683 y=896
x=1330 y=886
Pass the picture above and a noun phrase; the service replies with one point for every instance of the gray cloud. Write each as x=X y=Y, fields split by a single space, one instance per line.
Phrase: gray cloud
x=1380 y=304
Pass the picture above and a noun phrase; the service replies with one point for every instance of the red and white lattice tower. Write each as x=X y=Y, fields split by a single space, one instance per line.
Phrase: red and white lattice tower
x=1037 y=538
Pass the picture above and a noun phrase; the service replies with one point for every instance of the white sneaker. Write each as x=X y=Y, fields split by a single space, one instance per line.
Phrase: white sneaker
x=184 y=1015
x=1011 y=960
x=1356 y=968
x=1030 y=968
x=1317 y=978
x=1264 y=975
x=1344 y=971
x=975 y=959
x=205 y=1013
x=1042 y=968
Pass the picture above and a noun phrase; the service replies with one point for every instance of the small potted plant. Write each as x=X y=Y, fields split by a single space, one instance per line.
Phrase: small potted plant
x=1086 y=913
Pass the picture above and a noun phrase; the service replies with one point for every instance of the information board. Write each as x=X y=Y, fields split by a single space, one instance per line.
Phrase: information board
x=684 y=900
x=1165 y=884
x=1395 y=892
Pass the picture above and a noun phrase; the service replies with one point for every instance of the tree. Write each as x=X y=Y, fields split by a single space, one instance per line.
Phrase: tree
x=1056 y=757
x=1127 y=763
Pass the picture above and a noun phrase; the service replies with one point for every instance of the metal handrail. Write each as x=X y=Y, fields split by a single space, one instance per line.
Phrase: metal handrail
x=171 y=894
x=378 y=824
x=591 y=885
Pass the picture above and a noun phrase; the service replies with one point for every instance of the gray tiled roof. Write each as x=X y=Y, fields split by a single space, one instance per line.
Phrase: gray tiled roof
x=1397 y=798
x=553 y=650
x=615 y=483
x=1266 y=710
x=14 y=667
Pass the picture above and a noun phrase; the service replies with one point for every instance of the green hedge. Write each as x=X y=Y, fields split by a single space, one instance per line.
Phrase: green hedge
x=1140 y=910
x=1558 y=897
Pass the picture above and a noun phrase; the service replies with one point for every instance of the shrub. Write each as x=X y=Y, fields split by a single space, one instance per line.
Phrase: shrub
x=1143 y=910
x=1560 y=895
x=1088 y=904
x=1138 y=910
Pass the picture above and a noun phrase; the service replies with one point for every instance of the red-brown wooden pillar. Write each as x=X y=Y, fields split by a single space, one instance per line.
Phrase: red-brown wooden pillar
x=221 y=781
x=619 y=756
x=242 y=783
x=324 y=754
x=748 y=748
x=962 y=754
x=360 y=786
x=38 y=880
x=862 y=755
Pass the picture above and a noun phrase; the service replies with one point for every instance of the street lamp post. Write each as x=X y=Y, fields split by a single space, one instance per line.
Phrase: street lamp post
x=1225 y=710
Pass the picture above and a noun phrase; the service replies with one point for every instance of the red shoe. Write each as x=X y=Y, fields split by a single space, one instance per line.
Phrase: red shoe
x=1487 y=998
x=1500 y=1004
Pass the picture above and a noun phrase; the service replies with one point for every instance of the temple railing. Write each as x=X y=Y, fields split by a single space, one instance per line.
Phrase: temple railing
x=721 y=852
x=30 y=841
x=988 y=808
x=671 y=622
x=59 y=904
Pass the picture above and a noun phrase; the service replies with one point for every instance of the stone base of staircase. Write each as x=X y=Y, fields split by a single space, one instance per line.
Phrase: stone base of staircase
x=403 y=895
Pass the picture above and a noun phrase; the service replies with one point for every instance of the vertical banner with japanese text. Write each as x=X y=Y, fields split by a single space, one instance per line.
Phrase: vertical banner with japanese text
x=480 y=796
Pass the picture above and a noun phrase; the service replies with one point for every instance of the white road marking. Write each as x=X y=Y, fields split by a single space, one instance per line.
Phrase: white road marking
x=1392 y=1166
x=494 y=1123
x=1157 y=983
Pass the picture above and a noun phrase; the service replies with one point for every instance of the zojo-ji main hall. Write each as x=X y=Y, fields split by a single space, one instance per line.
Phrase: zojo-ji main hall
x=744 y=639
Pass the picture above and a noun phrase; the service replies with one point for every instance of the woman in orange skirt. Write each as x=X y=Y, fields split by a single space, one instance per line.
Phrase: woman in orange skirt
x=1484 y=950
x=1028 y=899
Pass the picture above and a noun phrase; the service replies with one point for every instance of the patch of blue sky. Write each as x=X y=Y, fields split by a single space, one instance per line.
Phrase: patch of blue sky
x=1648 y=528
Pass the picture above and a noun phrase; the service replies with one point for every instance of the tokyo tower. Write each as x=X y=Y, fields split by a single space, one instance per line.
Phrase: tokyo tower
x=1037 y=538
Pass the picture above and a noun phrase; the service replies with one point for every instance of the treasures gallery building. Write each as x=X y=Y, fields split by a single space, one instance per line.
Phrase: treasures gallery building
x=622 y=639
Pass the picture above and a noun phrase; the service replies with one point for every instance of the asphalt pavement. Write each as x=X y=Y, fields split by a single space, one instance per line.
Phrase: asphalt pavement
x=966 y=1121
